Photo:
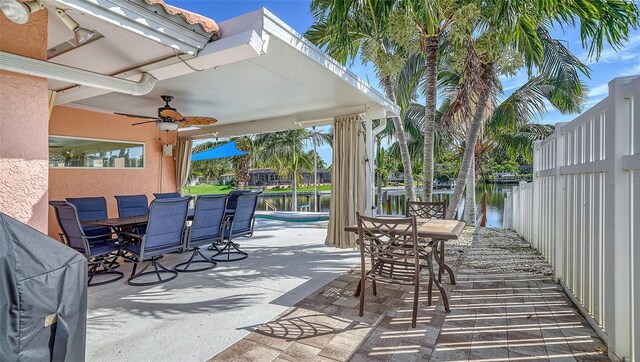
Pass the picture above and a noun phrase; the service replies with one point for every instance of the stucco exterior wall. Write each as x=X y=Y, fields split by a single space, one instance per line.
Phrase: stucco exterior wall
x=158 y=174
x=24 y=117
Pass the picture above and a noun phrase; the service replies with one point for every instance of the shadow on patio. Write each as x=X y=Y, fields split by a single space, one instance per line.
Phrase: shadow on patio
x=496 y=316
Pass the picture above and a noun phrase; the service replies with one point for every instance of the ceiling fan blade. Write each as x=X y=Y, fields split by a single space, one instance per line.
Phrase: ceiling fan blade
x=170 y=113
x=135 y=116
x=197 y=121
x=135 y=124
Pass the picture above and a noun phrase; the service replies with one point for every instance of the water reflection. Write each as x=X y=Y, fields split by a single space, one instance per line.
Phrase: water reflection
x=395 y=205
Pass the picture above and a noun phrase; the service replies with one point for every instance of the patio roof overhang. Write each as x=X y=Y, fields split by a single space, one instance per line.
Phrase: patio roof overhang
x=260 y=76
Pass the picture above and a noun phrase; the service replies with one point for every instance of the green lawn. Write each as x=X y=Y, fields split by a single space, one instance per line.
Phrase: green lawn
x=218 y=189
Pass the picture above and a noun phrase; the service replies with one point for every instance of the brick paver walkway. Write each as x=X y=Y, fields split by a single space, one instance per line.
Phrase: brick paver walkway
x=495 y=316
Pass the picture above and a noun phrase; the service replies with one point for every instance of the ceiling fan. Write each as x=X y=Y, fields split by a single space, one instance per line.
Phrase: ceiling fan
x=169 y=119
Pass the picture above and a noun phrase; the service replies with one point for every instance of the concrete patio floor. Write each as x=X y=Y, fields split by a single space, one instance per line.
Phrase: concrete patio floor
x=514 y=316
x=200 y=314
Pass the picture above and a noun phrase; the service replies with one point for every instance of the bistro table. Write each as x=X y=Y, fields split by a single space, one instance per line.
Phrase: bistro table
x=436 y=230
x=119 y=223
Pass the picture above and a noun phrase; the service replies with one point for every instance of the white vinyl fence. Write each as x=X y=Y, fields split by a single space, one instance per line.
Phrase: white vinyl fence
x=582 y=212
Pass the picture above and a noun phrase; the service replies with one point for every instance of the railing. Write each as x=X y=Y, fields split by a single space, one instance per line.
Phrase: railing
x=582 y=212
x=269 y=206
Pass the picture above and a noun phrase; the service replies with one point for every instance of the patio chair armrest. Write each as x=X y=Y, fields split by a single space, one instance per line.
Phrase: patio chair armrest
x=98 y=236
x=130 y=234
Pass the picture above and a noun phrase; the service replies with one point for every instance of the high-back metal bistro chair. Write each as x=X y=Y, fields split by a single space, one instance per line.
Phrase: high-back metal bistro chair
x=392 y=246
x=433 y=210
x=232 y=201
x=426 y=210
x=240 y=224
x=91 y=209
x=166 y=195
x=207 y=228
x=133 y=205
x=101 y=254
x=165 y=231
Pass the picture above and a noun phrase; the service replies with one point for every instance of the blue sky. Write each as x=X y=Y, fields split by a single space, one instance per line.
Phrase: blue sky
x=296 y=14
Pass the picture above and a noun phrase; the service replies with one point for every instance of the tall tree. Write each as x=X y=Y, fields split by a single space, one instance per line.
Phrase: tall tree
x=285 y=152
x=505 y=26
x=346 y=28
x=425 y=24
x=318 y=137
x=242 y=164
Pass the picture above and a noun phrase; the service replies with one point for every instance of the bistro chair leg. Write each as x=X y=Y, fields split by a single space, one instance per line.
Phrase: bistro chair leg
x=237 y=254
x=158 y=270
x=416 y=294
x=184 y=267
x=98 y=267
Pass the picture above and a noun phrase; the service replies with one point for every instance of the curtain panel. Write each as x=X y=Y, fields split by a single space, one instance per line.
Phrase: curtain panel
x=348 y=189
x=183 y=161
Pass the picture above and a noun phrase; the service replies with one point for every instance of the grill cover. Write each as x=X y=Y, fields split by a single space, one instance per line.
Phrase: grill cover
x=43 y=296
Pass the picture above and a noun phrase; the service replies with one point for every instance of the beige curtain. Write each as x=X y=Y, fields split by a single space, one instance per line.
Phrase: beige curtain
x=348 y=189
x=183 y=161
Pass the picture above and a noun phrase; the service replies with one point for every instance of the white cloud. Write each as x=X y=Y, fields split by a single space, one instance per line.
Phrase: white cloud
x=633 y=70
x=600 y=90
x=629 y=51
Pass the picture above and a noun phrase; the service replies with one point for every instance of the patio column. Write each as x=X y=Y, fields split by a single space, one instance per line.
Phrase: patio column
x=348 y=190
x=24 y=126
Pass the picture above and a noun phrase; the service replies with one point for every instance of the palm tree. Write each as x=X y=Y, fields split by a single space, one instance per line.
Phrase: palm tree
x=517 y=30
x=242 y=164
x=346 y=28
x=427 y=23
x=284 y=152
x=317 y=138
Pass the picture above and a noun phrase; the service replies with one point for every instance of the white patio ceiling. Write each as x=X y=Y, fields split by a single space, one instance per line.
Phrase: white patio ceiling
x=260 y=71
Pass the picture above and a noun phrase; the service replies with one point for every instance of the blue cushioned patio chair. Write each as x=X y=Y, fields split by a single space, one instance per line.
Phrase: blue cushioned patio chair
x=232 y=201
x=207 y=228
x=167 y=195
x=165 y=234
x=91 y=209
x=101 y=254
x=133 y=205
x=238 y=225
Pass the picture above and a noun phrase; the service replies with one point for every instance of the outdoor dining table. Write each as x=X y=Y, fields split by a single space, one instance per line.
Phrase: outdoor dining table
x=437 y=231
x=120 y=223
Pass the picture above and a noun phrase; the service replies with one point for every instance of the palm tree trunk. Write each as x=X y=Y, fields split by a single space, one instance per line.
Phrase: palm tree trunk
x=294 y=189
x=379 y=184
x=470 y=198
x=472 y=137
x=401 y=136
x=430 y=48
x=315 y=177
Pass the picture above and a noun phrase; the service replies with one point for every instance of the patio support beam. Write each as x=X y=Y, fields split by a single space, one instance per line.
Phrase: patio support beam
x=303 y=120
x=227 y=50
x=370 y=164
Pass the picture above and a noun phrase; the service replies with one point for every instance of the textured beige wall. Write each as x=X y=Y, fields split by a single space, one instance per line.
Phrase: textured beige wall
x=24 y=117
x=158 y=175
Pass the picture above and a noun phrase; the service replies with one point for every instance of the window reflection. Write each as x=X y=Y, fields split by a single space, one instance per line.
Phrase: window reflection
x=94 y=153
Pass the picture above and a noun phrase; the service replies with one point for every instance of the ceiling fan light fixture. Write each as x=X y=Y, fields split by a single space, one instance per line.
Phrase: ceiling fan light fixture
x=17 y=11
x=167 y=126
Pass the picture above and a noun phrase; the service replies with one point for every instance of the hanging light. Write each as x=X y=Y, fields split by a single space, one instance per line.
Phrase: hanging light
x=82 y=35
x=167 y=126
x=17 y=11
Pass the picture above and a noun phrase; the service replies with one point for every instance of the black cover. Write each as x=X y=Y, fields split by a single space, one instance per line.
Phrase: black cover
x=43 y=296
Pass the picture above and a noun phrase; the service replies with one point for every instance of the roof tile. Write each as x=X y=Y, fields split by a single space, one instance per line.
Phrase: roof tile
x=205 y=23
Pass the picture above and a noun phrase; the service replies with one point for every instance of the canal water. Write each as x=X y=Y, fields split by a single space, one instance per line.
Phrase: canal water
x=495 y=202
